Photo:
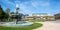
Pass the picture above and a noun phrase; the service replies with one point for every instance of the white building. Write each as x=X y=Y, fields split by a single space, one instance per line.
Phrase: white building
x=39 y=16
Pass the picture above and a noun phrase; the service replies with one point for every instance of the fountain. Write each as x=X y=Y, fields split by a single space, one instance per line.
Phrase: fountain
x=17 y=12
x=16 y=23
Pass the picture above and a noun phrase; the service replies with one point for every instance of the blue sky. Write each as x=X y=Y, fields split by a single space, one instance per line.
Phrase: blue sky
x=32 y=6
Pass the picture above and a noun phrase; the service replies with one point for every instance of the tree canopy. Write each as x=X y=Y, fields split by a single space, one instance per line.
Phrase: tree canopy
x=3 y=14
x=11 y=12
x=7 y=10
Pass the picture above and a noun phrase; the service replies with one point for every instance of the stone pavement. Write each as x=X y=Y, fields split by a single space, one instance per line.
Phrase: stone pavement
x=49 y=25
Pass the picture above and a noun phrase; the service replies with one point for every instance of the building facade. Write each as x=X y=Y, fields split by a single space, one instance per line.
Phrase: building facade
x=40 y=16
x=57 y=16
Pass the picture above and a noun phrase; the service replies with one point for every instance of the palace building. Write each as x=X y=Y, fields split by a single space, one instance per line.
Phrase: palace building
x=57 y=16
x=39 y=16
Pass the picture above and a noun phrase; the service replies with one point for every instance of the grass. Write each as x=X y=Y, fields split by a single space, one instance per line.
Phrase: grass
x=37 y=20
x=35 y=25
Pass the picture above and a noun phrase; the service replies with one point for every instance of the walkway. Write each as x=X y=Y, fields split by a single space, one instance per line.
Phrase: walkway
x=50 y=25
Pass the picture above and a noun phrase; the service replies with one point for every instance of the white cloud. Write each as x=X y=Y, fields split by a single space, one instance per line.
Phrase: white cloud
x=39 y=3
x=31 y=9
x=24 y=8
x=35 y=4
x=8 y=2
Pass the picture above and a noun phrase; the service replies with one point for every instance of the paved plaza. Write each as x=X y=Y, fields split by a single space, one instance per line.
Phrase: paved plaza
x=49 y=25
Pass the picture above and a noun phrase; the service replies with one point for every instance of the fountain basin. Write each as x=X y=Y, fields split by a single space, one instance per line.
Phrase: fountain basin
x=13 y=24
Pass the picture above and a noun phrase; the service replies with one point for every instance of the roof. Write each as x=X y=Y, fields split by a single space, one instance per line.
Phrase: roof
x=39 y=14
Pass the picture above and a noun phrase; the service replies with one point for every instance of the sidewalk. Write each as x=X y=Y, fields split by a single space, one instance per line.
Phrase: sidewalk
x=49 y=26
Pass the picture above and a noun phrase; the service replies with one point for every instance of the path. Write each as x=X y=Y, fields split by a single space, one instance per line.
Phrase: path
x=50 y=25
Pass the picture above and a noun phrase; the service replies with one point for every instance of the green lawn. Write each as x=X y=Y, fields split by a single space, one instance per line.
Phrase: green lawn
x=37 y=20
x=35 y=25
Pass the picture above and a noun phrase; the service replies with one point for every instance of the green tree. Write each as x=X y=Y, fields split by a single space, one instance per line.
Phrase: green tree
x=11 y=12
x=11 y=15
x=7 y=10
x=2 y=14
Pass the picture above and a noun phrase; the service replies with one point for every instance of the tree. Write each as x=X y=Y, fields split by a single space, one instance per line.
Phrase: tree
x=11 y=16
x=7 y=10
x=11 y=12
x=2 y=13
